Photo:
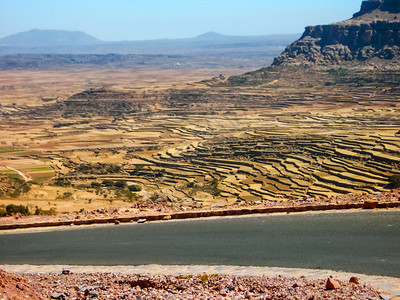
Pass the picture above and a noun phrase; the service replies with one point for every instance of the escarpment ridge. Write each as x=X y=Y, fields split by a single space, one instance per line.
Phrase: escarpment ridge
x=372 y=33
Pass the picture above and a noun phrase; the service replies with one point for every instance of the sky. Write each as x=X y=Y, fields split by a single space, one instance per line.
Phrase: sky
x=115 y=20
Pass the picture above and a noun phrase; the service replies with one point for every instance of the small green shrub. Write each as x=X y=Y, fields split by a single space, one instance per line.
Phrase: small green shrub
x=95 y=185
x=215 y=191
x=120 y=184
x=135 y=188
x=190 y=184
x=42 y=212
x=394 y=182
x=3 y=212
x=12 y=209
x=83 y=186
x=204 y=278
x=66 y=195
x=63 y=125
x=139 y=167
x=108 y=183
x=62 y=182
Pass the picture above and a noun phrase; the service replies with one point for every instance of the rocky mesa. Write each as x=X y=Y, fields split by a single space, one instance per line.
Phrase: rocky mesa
x=372 y=33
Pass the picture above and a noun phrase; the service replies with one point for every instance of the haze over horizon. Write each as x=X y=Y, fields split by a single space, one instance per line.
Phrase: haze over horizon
x=157 y=19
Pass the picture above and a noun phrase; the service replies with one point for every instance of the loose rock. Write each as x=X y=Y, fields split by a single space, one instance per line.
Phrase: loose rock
x=355 y=280
x=58 y=296
x=332 y=284
x=202 y=286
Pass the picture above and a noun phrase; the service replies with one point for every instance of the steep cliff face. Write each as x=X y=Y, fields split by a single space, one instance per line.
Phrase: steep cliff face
x=372 y=32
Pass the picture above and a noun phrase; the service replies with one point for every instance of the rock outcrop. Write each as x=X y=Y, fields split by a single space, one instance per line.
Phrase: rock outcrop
x=374 y=32
x=368 y=6
x=392 y=6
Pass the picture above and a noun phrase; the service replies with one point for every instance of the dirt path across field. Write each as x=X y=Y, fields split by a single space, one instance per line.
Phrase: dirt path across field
x=20 y=173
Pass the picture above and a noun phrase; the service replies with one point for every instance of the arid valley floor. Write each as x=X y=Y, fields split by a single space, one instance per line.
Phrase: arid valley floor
x=183 y=139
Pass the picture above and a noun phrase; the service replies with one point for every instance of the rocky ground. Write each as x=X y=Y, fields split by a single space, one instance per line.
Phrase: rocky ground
x=15 y=287
x=120 y=286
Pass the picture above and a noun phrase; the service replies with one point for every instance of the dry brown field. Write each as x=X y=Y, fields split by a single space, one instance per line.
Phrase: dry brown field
x=28 y=87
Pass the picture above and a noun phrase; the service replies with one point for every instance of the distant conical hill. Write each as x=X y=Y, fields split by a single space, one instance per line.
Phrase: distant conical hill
x=46 y=38
x=372 y=33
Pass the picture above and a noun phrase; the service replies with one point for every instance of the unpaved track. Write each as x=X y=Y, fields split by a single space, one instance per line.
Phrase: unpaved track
x=20 y=173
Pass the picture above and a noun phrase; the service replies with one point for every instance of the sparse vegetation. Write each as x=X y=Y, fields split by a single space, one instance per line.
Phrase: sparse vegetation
x=204 y=278
x=62 y=182
x=97 y=169
x=190 y=184
x=211 y=188
x=63 y=125
x=11 y=185
x=42 y=212
x=13 y=209
x=118 y=188
x=237 y=80
x=214 y=190
x=59 y=125
x=66 y=196
x=48 y=99
x=394 y=182
x=135 y=188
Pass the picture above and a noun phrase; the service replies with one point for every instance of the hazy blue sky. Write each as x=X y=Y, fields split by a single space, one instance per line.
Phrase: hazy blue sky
x=150 y=19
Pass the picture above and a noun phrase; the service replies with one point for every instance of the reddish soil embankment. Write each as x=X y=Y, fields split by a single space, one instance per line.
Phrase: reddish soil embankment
x=16 y=288
x=158 y=212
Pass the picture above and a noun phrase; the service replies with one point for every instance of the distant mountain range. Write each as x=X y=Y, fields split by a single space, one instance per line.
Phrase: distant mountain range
x=76 y=42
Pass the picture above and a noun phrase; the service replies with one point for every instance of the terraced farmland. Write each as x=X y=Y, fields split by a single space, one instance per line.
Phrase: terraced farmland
x=264 y=166
x=277 y=162
x=277 y=137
